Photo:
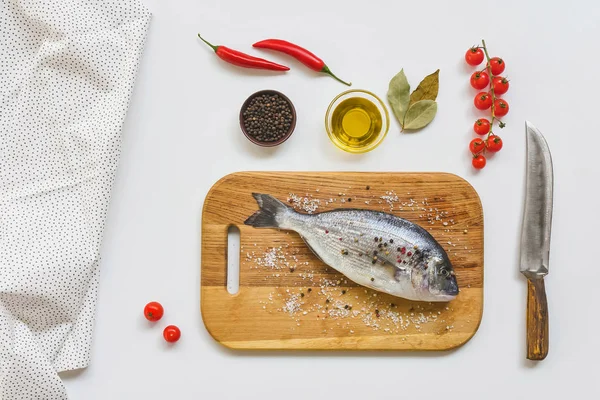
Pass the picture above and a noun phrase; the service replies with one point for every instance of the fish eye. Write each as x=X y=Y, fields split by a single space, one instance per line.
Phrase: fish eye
x=444 y=272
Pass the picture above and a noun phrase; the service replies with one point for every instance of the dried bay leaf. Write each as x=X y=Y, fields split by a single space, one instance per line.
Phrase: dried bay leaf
x=427 y=89
x=399 y=95
x=420 y=114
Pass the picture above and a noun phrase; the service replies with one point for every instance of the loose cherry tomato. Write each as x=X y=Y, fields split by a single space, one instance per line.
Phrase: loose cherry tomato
x=153 y=311
x=480 y=80
x=478 y=161
x=483 y=101
x=500 y=85
x=481 y=126
x=474 y=56
x=171 y=333
x=497 y=65
x=476 y=146
x=500 y=107
x=494 y=143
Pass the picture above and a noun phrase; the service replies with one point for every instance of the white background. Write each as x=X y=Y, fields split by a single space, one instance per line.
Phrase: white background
x=182 y=134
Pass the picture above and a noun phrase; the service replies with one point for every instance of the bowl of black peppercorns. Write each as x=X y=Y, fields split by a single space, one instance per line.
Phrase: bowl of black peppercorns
x=268 y=118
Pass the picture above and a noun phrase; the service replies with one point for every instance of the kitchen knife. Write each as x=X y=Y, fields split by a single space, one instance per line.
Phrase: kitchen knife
x=535 y=239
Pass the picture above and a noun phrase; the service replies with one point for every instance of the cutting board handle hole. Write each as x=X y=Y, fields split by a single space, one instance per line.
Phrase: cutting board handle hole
x=233 y=259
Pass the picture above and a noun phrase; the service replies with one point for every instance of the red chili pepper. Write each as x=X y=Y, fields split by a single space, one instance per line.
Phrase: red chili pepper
x=244 y=60
x=304 y=56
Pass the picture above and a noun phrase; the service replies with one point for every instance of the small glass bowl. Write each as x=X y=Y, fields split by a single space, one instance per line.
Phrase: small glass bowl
x=385 y=119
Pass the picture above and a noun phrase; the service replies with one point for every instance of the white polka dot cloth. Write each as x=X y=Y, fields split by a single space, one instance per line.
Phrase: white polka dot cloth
x=67 y=69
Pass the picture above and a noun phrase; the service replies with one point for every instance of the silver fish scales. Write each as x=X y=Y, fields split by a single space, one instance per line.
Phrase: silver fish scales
x=374 y=249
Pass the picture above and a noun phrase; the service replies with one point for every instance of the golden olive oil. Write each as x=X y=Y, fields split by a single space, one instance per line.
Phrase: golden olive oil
x=356 y=123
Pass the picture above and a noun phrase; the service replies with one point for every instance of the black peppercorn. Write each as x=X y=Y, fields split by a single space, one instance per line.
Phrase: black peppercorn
x=267 y=118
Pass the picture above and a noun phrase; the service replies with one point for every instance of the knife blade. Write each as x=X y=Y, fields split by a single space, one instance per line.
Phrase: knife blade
x=535 y=239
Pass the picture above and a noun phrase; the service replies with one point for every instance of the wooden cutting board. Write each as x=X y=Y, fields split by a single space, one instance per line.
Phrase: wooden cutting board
x=288 y=299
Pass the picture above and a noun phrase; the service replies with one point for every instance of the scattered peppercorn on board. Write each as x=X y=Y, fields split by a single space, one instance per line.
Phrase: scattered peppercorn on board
x=289 y=299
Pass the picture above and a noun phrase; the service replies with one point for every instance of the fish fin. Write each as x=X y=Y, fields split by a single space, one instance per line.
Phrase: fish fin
x=270 y=208
x=313 y=250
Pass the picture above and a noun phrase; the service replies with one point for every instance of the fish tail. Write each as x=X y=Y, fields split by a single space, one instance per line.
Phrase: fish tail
x=270 y=208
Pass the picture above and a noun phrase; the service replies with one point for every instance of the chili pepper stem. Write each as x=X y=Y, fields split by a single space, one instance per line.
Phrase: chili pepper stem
x=328 y=71
x=208 y=43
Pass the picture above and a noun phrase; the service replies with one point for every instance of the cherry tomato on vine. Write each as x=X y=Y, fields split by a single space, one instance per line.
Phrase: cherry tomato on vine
x=171 y=333
x=478 y=161
x=494 y=143
x=500 y=85
x=483 y=101
x=500 y=107
x=480 y=80
x=153 y=311
x=481 y=126
x=497 y=65
x=474 y=56
x=476 y=146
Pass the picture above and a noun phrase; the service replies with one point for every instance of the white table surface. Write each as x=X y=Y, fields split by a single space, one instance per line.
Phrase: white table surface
x=182 y=134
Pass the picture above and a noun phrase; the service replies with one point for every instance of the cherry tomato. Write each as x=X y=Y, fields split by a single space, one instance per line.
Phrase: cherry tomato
x=500 y=85
x=153 y=311
x=478 y=161
x=483 y=101
x=480 y=80
x=497 y=65
x=500 y=108
x=476 y=146
x=474 y=56
x=481 y=126
x=494 y=143
x=171 y=333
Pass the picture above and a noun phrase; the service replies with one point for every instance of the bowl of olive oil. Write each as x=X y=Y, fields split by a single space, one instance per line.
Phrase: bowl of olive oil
x=357 y=121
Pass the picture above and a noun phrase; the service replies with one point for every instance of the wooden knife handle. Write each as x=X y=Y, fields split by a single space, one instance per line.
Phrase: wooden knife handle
x=537 y=319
